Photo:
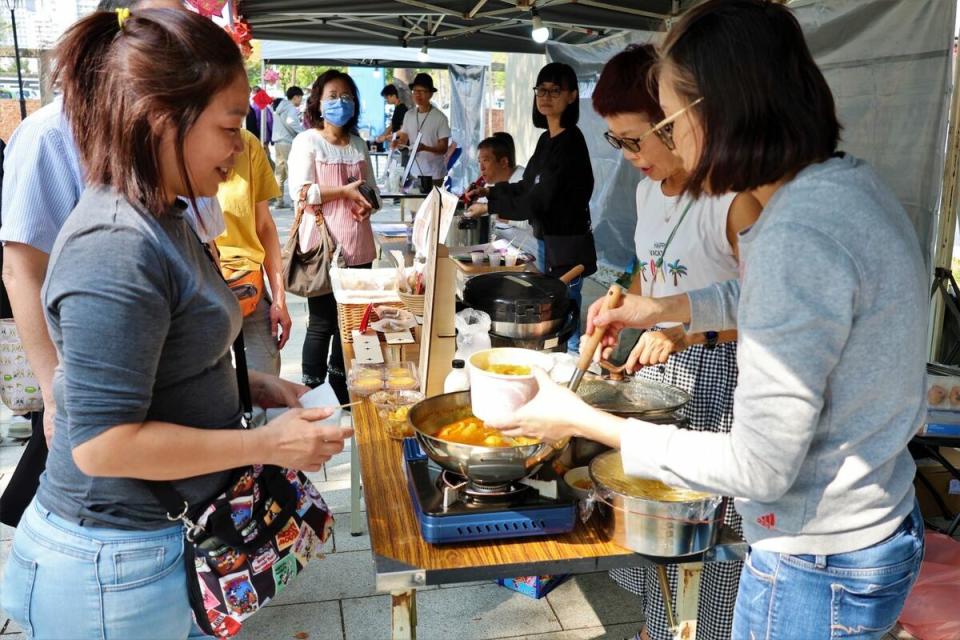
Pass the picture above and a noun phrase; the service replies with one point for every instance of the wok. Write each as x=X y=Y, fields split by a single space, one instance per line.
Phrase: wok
x=483 y=465
x=496 y=465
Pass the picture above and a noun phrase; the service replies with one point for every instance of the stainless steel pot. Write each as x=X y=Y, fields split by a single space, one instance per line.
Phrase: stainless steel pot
x=483 y=465
x=520 y=305
x=467 y=232
x=655 y=527
x=526 y=330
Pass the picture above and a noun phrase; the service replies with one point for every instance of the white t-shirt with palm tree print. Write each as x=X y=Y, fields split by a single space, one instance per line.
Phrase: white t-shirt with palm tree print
x=697 y=255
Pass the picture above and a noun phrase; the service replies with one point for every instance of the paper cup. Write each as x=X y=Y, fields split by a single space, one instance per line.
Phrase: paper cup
x=494 y=259
x=495 y=396
x=510 y=260
x=477 y=257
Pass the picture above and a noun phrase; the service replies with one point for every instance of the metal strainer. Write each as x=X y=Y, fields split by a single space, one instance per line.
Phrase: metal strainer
x=632 y=397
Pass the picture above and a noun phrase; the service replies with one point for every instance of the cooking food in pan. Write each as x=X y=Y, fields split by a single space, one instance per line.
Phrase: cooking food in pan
x=472 y=431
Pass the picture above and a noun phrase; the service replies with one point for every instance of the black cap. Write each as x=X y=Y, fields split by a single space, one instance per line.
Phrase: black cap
x=424 y=80
x=458 y=364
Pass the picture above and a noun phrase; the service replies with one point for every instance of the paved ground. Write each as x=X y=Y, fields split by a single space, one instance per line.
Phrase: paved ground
x=334 y=599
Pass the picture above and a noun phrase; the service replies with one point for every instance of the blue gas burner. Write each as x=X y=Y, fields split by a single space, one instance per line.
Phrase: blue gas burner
x=451 y=509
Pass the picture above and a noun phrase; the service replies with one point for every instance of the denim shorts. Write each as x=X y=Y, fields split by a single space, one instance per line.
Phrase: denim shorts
x=63 y=580
x=856 y=595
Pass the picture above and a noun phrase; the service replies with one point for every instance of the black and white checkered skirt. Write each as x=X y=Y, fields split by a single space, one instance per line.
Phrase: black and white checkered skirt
x=709 y=376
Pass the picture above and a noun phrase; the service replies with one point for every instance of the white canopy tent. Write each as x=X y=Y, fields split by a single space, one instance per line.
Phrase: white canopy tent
x=315 y=53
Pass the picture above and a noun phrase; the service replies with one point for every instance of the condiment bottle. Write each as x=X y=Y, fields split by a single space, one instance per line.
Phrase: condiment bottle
x=458 y=379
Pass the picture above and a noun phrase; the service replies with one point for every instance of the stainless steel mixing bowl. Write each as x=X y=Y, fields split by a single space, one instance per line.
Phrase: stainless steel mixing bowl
x=655 y=527
x=482 y=465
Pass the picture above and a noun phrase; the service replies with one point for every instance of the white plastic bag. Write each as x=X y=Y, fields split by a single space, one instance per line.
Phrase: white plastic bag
x=473 y=332
x=19 y=389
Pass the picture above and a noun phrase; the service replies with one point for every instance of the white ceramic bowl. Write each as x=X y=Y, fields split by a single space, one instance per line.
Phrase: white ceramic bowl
x=495 y=396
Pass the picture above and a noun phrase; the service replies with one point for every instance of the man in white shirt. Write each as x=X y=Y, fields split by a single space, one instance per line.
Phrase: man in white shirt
x=286 y=126
x=431 y=125
x=496 y=156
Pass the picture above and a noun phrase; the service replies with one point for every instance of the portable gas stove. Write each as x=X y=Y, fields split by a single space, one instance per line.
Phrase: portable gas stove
x=450 y=508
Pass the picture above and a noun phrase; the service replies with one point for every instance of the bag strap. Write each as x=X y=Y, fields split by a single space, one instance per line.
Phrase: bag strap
x=163 y=491
x=300 y=208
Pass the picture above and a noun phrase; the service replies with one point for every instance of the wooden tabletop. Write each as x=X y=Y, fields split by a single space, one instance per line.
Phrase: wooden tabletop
x=404 y=559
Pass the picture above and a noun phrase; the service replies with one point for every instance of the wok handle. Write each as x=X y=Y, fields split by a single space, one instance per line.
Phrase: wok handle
x=572 y=275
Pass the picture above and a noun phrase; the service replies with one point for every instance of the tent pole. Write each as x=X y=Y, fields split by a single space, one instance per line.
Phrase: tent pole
x=947 y=215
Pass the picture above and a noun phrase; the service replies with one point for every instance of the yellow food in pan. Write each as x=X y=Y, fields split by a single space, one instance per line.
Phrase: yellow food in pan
x=472 y=431
x=509 y=369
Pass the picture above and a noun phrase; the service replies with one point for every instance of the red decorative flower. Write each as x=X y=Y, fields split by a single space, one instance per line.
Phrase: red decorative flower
x=242 y=35
x=208 y=8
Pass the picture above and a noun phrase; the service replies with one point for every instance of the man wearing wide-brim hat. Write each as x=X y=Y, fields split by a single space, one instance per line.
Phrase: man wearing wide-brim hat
x=431 y=125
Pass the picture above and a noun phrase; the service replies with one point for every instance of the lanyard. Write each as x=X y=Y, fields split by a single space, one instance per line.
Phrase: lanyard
x=658 y=263
x=673 y=233
x=425 y=118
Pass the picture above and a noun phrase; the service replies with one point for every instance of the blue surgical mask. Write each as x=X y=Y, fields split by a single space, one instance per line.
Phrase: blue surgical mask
x=337 y=111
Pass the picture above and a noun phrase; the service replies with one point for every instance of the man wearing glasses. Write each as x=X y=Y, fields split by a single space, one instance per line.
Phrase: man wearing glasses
x=433 y=128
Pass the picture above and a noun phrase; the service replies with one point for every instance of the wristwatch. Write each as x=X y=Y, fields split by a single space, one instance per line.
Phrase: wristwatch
x=711 y=338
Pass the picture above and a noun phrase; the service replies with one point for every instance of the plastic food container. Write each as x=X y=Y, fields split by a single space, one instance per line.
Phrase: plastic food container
x=392 y=409
x=366 y=379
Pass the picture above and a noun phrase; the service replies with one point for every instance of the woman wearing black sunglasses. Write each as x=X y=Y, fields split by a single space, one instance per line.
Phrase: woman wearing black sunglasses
x=681 y=244
x=554 y=194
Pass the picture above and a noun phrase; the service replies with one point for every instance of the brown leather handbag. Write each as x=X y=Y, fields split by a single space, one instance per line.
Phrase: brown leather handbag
x=307 y=273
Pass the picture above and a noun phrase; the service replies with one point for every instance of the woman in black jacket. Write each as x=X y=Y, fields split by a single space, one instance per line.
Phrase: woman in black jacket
x=554 y=194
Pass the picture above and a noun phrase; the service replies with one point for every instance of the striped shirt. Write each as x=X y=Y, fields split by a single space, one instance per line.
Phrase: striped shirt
x=43 y=180
x=314 y=161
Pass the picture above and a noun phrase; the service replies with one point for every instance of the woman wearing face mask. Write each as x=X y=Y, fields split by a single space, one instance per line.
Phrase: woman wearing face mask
x=817 y=456
x=681 y=244
x=323 y=161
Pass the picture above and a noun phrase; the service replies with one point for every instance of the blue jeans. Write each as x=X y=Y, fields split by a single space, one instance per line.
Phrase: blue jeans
x=65 y=580
x=575 y=294
x=847 y=595
x=573 y=344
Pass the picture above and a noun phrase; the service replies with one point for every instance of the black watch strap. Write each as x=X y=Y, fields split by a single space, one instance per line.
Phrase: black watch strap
x=712 y=337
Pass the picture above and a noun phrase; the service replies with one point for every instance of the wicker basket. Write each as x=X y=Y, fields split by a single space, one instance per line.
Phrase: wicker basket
x=349 y=316
x=413 y=303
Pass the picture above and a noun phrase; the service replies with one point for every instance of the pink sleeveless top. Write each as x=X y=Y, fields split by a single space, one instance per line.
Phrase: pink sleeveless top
x=315 y=161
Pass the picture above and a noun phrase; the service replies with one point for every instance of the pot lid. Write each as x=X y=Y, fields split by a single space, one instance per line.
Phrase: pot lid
x=606 y=471
x=515 y=286
x=521 y=293
x=634 y=397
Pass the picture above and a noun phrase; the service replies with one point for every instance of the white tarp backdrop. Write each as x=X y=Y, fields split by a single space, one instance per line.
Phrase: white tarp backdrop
x=466 y=121
x=888 y=63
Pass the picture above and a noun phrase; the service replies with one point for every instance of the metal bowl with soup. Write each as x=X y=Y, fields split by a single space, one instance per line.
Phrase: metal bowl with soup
x=650 y=517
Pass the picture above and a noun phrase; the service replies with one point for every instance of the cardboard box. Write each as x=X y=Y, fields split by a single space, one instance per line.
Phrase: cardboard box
x=533 y=586
x=942 y=482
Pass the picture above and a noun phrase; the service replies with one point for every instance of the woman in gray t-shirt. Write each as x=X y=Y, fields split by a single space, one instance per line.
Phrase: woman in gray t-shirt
x=143 y=323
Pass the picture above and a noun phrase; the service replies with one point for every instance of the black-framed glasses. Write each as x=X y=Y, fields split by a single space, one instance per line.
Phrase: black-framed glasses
x=633 y=144
x=663 y=129
x=543 y=92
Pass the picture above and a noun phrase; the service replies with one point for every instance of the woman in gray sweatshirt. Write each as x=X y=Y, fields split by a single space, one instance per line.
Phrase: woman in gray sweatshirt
x=832 y=344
